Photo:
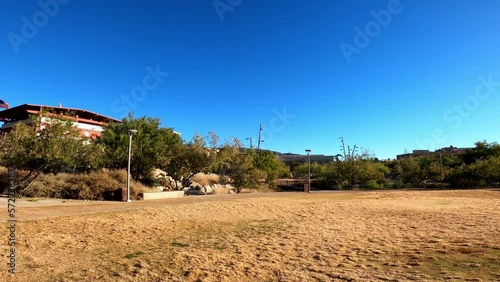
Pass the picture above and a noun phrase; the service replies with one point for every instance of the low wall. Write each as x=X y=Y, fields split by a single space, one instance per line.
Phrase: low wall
x=162 y=195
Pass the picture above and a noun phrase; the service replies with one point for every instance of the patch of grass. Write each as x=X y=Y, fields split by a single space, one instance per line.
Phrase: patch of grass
x=115 y=274
x=218 y=246
x=179 y=244
x=134 y=255
x=256 y=228
x=466 y=263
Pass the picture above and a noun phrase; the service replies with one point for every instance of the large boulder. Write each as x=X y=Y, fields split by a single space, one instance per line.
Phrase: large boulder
x=194 y=188
x=198 y=190
x=158 y=173
x=208 y=189
x=195 y=184
x=170 y=183
x=167 y=182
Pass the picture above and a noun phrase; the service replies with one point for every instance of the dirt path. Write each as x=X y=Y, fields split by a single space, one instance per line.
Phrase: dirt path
x=28 y=209
x=52 y=208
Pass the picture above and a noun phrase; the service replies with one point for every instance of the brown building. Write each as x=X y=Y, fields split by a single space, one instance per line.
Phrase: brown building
x=90 y=124
x=425 y=153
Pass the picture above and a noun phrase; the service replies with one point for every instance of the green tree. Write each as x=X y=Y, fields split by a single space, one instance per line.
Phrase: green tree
x=317 y=170
x=240 y=167
x=267 y=162
x=189 y=159
x=52 y=146
x=411 y=171
x=333 y=175
x=152 y=146
x=372 y=174
x=351 y=167
x=483 y=150
x=356 y=170
x=481 y=173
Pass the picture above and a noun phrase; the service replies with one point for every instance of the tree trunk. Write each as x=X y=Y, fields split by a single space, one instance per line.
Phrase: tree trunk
x=26 y=182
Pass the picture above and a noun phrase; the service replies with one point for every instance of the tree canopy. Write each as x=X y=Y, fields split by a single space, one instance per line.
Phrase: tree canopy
x=52 y=146
x=152 y=145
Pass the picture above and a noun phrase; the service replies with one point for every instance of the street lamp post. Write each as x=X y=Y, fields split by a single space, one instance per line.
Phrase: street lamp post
x=130 y=133
x=309 y=173
x=441 y=169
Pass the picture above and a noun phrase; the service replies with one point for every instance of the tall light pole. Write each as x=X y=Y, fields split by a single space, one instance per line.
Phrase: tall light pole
x=130 y=133
x=309 y=173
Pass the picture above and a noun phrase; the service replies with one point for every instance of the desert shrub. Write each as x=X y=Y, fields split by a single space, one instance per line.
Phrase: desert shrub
x=261 y=188
x=119 y=175
x=372 y=184
x=4 y=178
x=326 y=184
x=206 y=179
x=220 y=190
x=48 y=186
x=92 y=186
x=396 y=185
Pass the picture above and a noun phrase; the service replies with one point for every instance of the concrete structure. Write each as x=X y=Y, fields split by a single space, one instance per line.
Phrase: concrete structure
x=90 y=123
x=162 y=195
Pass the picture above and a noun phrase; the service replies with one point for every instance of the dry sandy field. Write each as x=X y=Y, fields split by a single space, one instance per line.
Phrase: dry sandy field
x=322 y=236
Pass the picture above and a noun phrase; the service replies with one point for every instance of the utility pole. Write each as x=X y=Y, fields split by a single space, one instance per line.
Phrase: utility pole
x=353 y=151
x=251 y=145
x=260 y=136
x=343 y=147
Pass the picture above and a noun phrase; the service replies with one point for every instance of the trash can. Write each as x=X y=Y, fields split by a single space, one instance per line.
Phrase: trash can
x=307 y=188
x=124 y=194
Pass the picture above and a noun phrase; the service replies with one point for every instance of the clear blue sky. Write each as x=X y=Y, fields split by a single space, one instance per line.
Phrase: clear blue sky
x=412 y=82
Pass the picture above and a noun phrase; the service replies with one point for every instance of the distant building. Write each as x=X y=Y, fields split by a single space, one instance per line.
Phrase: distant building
x=426 y=153
x=293 y=160
x=90 y=124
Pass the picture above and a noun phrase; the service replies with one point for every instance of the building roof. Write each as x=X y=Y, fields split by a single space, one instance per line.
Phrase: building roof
x=426 y=153
x=23 y=111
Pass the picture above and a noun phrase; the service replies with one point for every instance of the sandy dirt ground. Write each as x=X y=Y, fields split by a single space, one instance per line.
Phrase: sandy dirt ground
x=337 y=236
